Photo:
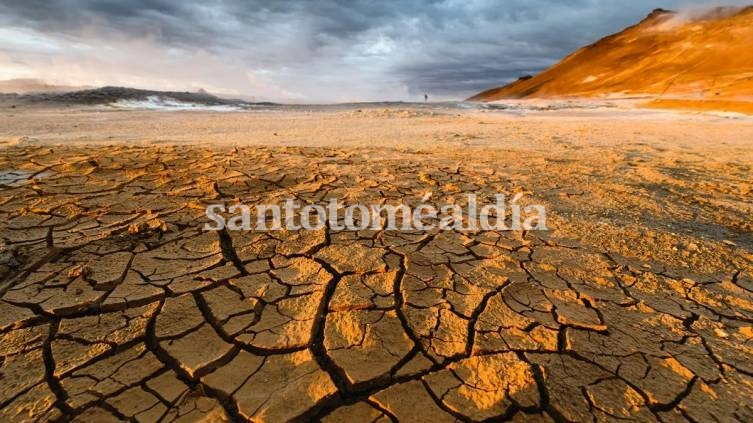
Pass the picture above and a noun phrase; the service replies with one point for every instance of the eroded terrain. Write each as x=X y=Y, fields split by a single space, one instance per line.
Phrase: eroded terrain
x=637 y=304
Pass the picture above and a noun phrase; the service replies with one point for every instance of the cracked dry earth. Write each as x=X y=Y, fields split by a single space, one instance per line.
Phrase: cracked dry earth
x=637 y=305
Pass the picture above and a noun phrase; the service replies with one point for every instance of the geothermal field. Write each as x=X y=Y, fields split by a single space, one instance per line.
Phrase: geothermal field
x=117 y=304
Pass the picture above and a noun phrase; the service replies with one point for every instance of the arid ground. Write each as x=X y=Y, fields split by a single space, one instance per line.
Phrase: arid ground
x=117 y=305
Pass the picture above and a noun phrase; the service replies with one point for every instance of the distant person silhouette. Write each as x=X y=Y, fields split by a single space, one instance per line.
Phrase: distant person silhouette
x=426 y=98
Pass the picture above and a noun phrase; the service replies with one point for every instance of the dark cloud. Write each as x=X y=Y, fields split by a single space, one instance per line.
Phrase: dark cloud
x=328 y=50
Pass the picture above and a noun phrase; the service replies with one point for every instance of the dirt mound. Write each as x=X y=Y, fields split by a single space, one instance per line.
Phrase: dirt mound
x=691 y=56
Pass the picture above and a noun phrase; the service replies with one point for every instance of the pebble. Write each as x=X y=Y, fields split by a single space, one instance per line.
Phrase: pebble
x=720 y=333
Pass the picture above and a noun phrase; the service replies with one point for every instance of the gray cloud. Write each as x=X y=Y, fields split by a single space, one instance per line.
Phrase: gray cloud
x=329 y=50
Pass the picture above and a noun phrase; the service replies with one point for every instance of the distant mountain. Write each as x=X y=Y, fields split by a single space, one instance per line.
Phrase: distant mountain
x=669 y=55
x=132 y=98
x=109 y=95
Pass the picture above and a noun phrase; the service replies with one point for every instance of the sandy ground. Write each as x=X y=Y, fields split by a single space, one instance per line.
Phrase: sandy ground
x=116 y=305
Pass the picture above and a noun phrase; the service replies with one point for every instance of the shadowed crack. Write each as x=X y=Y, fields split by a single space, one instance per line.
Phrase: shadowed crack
x=228 y=252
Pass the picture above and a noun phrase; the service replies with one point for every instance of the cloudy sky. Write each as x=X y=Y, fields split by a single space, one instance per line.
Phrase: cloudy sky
x=304 y=51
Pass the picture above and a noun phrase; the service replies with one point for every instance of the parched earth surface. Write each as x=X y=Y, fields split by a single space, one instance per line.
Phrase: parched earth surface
x=117 y=305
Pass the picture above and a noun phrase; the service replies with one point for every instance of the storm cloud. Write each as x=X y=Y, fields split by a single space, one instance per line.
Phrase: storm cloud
x=304 y=51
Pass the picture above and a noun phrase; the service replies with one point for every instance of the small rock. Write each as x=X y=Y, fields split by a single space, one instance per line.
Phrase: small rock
x=79 y=271
x=137 y=228
x=8 y=257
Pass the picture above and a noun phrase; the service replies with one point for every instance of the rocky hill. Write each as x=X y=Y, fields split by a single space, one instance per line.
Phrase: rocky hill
x=669 y=56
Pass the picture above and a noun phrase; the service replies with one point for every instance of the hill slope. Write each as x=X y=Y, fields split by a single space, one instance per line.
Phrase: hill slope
x=130 y=98
x=667 y=56
x=106 y=95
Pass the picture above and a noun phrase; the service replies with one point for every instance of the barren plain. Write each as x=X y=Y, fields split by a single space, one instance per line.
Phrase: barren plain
x=116 y=305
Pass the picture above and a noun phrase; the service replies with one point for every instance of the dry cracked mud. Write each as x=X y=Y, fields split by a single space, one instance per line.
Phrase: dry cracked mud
x=637 y=304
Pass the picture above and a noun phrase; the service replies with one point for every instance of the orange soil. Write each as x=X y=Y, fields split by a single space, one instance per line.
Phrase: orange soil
x=667 y=56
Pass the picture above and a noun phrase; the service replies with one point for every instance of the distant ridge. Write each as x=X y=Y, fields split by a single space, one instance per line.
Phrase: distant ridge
x=668 y=56
x=108 y=95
